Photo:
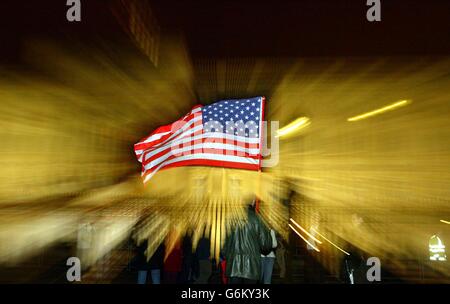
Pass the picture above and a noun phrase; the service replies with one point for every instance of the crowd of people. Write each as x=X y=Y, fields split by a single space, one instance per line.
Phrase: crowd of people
x=248 y=256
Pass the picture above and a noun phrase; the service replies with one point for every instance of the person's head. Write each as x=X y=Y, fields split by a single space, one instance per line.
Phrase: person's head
x=252 y=204
x=251 y=207
x=251 y=210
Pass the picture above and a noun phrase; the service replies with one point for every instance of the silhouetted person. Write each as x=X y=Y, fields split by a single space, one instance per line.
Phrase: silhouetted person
x=281 y=257
x=156 y=264
x=204 y=260
x=268 y=260
x=141 y=262
x=215 y=277
x=188 y=260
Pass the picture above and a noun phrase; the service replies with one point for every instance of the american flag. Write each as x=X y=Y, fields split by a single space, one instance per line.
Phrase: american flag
x=223 y=134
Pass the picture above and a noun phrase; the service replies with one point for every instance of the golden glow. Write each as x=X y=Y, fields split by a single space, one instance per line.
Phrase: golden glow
x=314 y=247
x=294 y=126
x=393 y=106
x=339 y=168
x=67 y=143
x=330 y=242
x=305 y=231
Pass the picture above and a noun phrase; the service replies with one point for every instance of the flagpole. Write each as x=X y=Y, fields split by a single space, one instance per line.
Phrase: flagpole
x=261 y=133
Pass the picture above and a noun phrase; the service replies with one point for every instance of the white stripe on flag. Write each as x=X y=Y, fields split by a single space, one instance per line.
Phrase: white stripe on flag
x=230 y=138
x=154 y=137
x=218 y=146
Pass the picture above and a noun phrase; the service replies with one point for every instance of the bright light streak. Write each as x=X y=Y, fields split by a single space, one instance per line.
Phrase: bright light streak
x=305 y=231
x=314 y=247
x=331 y=242
x=381 y=110
x=296 y=125
x=445 y=222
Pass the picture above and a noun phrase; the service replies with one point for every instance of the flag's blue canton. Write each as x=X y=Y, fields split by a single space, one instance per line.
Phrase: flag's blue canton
x=242 y=115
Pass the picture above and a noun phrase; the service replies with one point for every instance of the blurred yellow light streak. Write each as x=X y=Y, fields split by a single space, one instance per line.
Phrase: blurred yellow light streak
x=393 y=106
x=314 y=247
x=445 y=222
x=330 y=242
x=305 y=231
x=296 y=125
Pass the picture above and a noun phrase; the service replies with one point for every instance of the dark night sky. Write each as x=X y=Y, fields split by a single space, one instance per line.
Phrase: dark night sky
x=309 y=28
x=253 y=28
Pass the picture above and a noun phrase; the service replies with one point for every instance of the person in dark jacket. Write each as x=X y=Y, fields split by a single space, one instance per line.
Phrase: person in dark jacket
x=215 y=277
x=155 y=264
x=203 y=257
x=187 y=265
x=243 y=248
x=140 y=262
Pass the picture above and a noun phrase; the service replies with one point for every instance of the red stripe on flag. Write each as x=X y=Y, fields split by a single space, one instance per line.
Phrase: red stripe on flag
x=191 y=150
x=217 y=152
